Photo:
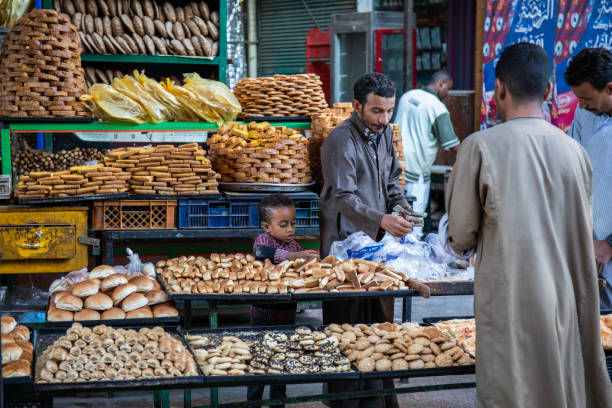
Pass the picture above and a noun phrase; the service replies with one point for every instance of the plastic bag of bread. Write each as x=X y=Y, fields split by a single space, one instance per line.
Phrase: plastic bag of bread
x=13 y=10
x=176 y=111
x=130 y=87
x=219 y=98
x=110 y=105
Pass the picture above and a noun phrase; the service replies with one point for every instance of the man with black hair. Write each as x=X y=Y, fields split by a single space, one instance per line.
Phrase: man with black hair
x=361 y=189
x=589 y=74
x=520 y=193
x=426 y=127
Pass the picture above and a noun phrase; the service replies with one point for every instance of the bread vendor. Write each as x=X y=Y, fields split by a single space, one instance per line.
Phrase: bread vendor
x=361 y=187
x=589 y=74
x=520 y=193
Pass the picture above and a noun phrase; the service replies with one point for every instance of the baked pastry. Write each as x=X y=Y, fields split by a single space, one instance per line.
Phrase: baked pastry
x=8 y=324
x=112 y=281
x=11 y=352
x=99 y=301
x=605 y=325
x=102 y=272
x=134 y=301
x=123 y=291
x=85 y=288
x=142 y=283
x=140 y=313
x=114 y=313
x=155 y=297
x=69 y=302
x=87 y=314
x=164 y=311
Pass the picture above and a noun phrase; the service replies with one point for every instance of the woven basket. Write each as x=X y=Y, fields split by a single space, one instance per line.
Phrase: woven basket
x=40 y=68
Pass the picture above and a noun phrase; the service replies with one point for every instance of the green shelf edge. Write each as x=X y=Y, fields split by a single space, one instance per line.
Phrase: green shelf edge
x=130 y=127
x=151 y=59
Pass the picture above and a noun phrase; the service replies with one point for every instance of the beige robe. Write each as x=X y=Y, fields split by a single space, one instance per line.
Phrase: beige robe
x=521 y=193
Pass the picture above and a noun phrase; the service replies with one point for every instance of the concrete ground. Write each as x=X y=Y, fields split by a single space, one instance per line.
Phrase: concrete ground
x=435 y=306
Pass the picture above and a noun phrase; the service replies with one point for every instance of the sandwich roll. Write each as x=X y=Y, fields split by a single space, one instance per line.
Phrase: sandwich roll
x=19 y=368
x=21 y=333
x=164 y=311
x=123 y=291
x=11 y=352
x=99 y=301
x=69 y=302
x=86 y=288
x=112 y=314
x=140 y=313
x=102 y=271
x=156 y=296
x=113 y=281
x=87 y=314
x=59 y=315
x=133 y=302
x=142 y=283
x=8 y=324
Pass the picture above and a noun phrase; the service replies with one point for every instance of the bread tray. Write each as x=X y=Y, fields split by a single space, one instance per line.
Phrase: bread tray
x=143 y=322
x=303 y=118
x=29 y=378
x=353 y=295
x=47 y=336
x=45 y=119
x=72 y=199
x=265 y=187
x=420 y=372
x=428 y=321
x=255 y=379
x=238 y=297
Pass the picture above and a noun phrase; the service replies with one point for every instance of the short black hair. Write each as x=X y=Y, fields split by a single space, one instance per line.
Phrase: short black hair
x=525 y=69
x=592 y=65
x=272 y=201
x=440 y=75
x=374 y=82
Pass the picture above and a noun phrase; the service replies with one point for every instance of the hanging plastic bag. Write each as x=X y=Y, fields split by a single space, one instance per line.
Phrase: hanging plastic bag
x=188 y=100
x=176 y=111
x=13 y=10
x=134 y=267
x=223 y=105
x=112 y=106
x=129 y=86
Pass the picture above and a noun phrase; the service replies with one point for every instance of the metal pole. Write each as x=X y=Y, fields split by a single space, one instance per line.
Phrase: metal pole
x=409 y=24
x=252 y=38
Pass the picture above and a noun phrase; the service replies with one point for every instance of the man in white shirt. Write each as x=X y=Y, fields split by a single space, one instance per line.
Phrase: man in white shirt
x=426 y=127
x=589 y=74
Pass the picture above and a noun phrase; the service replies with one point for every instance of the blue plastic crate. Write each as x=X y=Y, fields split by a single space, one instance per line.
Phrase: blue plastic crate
x=244 y=214
x=204 y=214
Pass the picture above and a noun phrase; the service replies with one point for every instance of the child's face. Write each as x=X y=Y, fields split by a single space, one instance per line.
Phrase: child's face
x=282 y=223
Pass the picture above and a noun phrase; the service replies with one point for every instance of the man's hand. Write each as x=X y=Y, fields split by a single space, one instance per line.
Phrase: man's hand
x=395 y=225
x=307 y=255
x=603 y=253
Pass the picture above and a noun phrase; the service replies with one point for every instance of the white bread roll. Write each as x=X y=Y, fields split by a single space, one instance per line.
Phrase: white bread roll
x=112 y=314
x=20 y=332
x=143 y=283
x=10 y=353
x=69 y=302
x=8 y=324
x=123 y=291
x=87 y=314
x=140 y=313
x=102 y=271
x=156 y=296
x=113 y=281
x=59 y=315
x=164 y=311
x=86 y=288
x=99 y=301
x=18 y=368
x=133 y=302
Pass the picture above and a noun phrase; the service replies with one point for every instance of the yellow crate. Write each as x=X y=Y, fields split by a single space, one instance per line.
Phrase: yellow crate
x=42 y=240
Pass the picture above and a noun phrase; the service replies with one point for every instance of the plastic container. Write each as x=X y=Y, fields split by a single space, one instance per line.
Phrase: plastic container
x=134 y=215
x=194 y=214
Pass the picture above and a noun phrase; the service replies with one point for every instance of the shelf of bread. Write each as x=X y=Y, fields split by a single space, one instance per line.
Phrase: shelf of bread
x=104 y=294
x=242 y=274
x=17 y=349
x=260 y=153
x=605 y=325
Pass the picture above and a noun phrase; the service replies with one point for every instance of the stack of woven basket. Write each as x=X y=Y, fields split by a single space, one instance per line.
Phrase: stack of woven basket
x=40 y=68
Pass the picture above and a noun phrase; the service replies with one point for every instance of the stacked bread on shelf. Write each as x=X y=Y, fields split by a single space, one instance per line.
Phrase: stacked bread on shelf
x=239 y=273
x=287 y=351
x=40 y=68
x=103 y=353
x=281 y=95
x=464 y=330
x=166 y=169
x=260 y=153
x=144 y=27
x=391 y=346
x=605 y=325
x=399 y=152
x=323 y=123
x=108 y=295
x=17 y=350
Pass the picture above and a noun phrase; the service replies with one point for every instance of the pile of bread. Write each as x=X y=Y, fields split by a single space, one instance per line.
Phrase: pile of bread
x=605 y=326
x=165 y=169
x=390 y=346
x=239 y=273
x=299 y=351
x=103 y=353
x=260 y=153
x=463 y=330
x=144 y=27
x=399 y=152
x=17 y=350
x=281 y=95
x=108 y=295
x=323 y=123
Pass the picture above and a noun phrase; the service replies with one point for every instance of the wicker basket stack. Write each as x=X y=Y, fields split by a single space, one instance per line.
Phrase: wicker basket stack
x=40 y=68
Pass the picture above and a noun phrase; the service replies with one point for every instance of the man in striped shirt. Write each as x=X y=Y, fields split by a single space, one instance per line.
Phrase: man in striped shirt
x=589 y=74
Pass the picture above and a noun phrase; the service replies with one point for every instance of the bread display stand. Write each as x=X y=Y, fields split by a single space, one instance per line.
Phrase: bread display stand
x=264 y=187
x=72 y=199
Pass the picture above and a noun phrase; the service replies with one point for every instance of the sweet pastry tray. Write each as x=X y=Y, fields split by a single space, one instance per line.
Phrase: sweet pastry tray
x=46 y=337
x=251 y=334
x=29 y=378
x=265 y=187
x=238 y=297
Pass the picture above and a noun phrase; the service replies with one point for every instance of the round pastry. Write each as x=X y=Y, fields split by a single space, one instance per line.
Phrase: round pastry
x=7 y=339
x=443 y=360
x=310 y=347
x=415 y=348
x=8 y=324
x=399 y=364
x=306 y=359
x=303 y=330
x=142 y=283
x=99 y=301
x=114 y=313
x=102 y=271
x=69 y=302
x=383 y=347
x=362 y=344
x=366 y=365
x=11 y=352
x=123 y=291
x=164 y=311
x=87 y=314
x=86 y=288
x=416 y=364
x=140 y=313
x=292 y=354
x=19 y=368
x=156 y=296
x=341 y=360
x=113 y=281
x=277 y=364
x=383 y=364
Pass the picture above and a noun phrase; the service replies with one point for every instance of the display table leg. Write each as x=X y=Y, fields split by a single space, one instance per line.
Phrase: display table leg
x=214 y=397
x=187 y=306
x=165 y=399
x=156 y=399
x=407 y=309
x=108 y=250
x=212 y=313
x=187 y=398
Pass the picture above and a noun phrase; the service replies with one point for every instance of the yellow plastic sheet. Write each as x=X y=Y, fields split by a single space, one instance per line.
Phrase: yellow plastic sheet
x=129 y=86
x=176 y=111
x=13 y=10
x=220 y=103
x=110 y=105
x=188 y=100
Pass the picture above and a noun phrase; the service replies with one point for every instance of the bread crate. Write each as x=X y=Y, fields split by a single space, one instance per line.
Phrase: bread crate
x=134 y=215
x=210 y=213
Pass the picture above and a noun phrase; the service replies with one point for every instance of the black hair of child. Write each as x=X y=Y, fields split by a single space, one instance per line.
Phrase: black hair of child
x=272 y=201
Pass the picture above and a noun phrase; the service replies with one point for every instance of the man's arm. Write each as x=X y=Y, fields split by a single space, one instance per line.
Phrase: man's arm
x=444 y=132
x=466 y=196
x=338 y=161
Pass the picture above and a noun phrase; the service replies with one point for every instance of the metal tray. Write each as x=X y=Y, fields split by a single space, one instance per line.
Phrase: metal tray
x=253 y=379
x=353 y=295
x=29 y=378
x=47 y=336
x=421 y=372
x=431 y=320
x=265 y=187
x=159 y=321
x=441 y=288
x=48 y=119
x=72 y=199
x=277 y=119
